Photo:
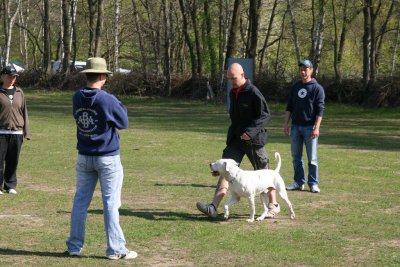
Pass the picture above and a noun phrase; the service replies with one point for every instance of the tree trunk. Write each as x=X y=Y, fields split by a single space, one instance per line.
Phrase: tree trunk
x=254 y=15
x=395 y=46
x=210 y=44
x=197 y=40
x=66 y=37
x=155 y=36
x=92 y=4
x=167 y=48
x=9 y=20
x=294 y=33
x=263 y=50
x=99 y=27
x=317 y=36
x=46 y=69
x=231 y=47
x=142 y=48
x=115 y=64
x=73 y=30
x=366 y=43
x=188 y=41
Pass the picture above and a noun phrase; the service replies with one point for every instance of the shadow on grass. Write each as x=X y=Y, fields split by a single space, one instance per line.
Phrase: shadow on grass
x=63 y=254
x=160 y=215
x=184 y=185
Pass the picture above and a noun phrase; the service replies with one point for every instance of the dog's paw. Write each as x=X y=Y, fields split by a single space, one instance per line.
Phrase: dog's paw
x=260 y=218
x=292 y=216
x=250 y=220
x=226 y=217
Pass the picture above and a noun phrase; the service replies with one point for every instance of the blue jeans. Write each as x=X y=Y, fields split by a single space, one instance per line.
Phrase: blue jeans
x=108 y=170
x=302 y=135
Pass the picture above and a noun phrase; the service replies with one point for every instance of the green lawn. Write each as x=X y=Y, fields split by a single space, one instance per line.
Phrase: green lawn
x=166 y=152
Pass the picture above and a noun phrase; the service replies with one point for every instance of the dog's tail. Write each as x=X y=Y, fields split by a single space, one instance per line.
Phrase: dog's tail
x=278 y=157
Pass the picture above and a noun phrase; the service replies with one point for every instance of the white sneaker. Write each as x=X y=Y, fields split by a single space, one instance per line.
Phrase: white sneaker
x=128 y=256
x=1 y=192
x=12 y=191
x=75 y=253
x=295 y=186
x=208 y=209
x=315 y=189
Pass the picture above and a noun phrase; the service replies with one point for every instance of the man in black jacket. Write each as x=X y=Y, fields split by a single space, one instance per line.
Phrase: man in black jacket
x=249 y=114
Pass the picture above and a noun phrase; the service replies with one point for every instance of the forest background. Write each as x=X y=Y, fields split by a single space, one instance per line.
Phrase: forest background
x=179 y=47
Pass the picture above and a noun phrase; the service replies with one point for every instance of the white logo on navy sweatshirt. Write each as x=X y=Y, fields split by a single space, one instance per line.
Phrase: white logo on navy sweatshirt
x=302 y=93
x=87 y=120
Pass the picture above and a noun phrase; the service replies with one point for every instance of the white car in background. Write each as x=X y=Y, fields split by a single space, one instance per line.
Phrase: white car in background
x=56 y=66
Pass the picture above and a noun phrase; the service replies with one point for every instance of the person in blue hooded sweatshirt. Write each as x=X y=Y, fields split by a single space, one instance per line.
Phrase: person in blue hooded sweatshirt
x=305 y=107
x=98 y=116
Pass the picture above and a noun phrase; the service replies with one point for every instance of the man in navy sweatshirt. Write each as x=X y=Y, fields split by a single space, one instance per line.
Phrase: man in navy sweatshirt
x=98 y=116
x=305 y=108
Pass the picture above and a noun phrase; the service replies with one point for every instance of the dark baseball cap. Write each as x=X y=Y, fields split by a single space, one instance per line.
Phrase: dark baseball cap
x=307 y=63
x=9 y=70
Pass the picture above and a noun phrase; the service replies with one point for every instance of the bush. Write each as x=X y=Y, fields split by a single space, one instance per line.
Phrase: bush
x=384 y=92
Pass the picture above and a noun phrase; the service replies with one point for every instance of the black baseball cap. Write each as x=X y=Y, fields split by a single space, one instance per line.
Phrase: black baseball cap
x=9 y=70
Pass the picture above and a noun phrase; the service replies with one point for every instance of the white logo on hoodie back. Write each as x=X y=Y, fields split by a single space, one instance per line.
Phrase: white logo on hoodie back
x=86 y=120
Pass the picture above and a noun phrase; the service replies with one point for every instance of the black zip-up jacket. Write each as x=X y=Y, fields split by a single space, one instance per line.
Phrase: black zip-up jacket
x=249 y=114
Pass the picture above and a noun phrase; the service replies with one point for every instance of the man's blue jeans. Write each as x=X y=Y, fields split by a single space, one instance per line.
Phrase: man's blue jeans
x=302 y=135
x=108 y=170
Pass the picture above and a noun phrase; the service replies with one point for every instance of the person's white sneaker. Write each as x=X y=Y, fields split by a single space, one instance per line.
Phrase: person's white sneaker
x=1 y=192
x=315 y=189
x=128 y=256
x=75 y=253
x=295 y=186
x=208 y=209
x=12 y=191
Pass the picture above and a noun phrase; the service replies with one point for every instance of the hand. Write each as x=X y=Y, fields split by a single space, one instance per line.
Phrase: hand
x=286 y=130
x=315 y=133
x=245 y=137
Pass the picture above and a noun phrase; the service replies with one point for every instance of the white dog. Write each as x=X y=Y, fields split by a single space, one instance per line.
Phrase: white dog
x=251 y=183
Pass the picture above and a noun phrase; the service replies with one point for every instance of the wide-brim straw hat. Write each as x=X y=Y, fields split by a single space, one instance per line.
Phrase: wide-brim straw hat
x=96 y=65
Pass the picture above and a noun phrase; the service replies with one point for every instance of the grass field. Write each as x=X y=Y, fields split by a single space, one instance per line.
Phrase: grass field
x=166 y=152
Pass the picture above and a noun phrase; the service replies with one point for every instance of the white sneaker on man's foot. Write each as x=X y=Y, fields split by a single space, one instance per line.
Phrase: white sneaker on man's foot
x=12 y=191
x=1 y=192
x=208 y=209
x=75 y=253
x=295 y=186
x=315 y=189
x=128 y=256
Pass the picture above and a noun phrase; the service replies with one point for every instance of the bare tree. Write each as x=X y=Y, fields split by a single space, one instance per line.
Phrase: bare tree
x=263 y=50
x=233 y=32
x=254 y=17
x=317 y=36
x=294 y=32
x=197 y=41
x=65 y=8
x=92 y=22
x=210 y=43
x=139 y=33
x=166 y=9
x=99 y=27
x=9 y=20
x=117 y=8
x=395 y=46
x=188 y=40
x=46 y=40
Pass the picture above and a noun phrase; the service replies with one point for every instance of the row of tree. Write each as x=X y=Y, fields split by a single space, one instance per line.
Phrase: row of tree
x=166 y=38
